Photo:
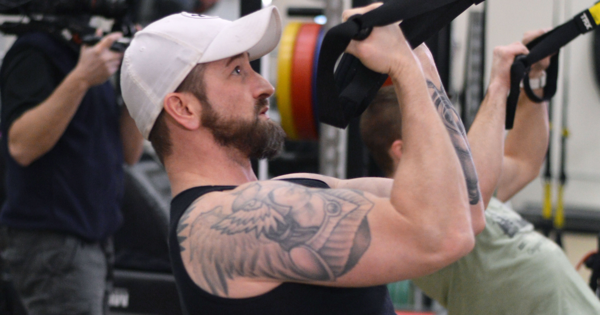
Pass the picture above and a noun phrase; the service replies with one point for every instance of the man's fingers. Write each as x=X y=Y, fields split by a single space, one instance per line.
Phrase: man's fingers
x=108 y=40
x=348 y=13
x=512 y=50
x=518 y=48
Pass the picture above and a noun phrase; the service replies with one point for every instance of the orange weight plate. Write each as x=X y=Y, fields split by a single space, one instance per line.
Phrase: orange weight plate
x=284 y=78
x=302 y=73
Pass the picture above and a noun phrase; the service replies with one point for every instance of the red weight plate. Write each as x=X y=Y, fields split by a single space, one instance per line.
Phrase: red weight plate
x=388 y=81
x=302 y=68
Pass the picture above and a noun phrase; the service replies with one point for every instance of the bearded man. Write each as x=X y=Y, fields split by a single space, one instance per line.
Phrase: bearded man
x=306 y=243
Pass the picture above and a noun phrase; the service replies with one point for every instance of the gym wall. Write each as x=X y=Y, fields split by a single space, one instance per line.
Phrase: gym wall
x=507 y=20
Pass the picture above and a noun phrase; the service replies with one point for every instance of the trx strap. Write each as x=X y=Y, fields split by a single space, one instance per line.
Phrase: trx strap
x=348 y=93
x=542 y=47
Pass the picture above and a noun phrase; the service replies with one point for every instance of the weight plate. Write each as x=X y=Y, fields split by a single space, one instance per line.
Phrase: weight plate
x=315 y=99
x=302 y=70
x=284 y=78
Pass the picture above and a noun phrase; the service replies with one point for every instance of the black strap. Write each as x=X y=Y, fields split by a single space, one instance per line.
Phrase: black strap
x=347 y=93
x=544 y=46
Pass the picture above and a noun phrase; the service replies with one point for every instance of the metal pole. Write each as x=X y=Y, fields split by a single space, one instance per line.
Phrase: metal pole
x=333 y=141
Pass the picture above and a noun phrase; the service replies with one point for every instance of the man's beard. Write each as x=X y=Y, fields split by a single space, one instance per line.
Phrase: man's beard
x=260 y=139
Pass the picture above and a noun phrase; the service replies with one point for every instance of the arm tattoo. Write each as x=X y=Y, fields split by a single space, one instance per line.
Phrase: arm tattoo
x=182 y=225
x=458 y=135
x=285 y=232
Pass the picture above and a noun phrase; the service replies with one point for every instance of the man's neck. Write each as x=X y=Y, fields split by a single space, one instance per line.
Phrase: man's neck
x=208 y=166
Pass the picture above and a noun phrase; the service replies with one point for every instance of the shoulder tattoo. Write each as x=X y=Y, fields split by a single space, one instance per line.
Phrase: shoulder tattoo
x=283 y=231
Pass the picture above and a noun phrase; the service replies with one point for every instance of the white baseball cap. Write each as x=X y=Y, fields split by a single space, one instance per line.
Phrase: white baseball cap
x=161 y=55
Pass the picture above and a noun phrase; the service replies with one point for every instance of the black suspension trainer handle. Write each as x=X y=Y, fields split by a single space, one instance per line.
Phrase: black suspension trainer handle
x=347 y=92
x=546 y=45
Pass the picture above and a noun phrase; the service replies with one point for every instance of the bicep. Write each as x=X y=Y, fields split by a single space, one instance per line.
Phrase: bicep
x=283 y=232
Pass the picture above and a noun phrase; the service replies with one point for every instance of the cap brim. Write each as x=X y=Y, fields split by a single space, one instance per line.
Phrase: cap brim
x=257 y=33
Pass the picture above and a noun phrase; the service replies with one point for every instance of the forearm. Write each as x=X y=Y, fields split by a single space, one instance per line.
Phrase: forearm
x=458 y=136
x=428 y=183
x=131 y=137
x=39 y=129
x=486 y=138
x=525 y=147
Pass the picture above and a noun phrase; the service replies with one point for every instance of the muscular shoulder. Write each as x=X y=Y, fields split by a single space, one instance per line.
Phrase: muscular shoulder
x=273 y=231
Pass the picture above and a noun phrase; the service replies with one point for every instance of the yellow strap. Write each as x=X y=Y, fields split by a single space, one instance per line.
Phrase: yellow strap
x=559 y=219
x=547 y=209
x=284 y=78
x=595 y=11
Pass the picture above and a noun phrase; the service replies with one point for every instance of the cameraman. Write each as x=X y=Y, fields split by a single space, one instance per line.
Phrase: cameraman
x=64 y=139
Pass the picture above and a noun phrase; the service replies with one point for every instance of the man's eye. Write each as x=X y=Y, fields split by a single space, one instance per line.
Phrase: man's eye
x=237 y=70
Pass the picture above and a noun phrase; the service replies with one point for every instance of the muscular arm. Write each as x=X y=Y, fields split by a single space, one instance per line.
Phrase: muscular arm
x=525 y=148
x=457 y=134
x=245 y=242
x=526 y=144
x=487 y=132
x=38 y=130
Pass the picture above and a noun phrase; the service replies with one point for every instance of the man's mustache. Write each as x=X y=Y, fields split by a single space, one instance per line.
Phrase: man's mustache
x=260 y=104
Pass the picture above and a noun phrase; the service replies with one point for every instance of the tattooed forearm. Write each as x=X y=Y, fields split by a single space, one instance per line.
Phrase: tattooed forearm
x=458 y=135
x=283 y=232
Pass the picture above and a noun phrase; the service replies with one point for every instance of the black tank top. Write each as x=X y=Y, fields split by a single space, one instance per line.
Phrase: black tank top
x=288 y=298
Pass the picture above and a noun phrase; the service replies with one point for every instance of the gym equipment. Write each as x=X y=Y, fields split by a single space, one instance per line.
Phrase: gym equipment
x=302 y=73
x=547 y=203
x=546 y=45
x=546 y=223
x=284 y=77
x=559 y=218
x=296 y=80
x=473 y=90
x=346 y=93
x=296 y=92
x=592 y=261
x=597 y=56
x=141 y=242
x=142 y=293
x=143 y=283
x=401 y=294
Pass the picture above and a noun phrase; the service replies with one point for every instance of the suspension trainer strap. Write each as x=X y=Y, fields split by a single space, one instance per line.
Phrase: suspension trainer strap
x=346 y=93
x=544 y=46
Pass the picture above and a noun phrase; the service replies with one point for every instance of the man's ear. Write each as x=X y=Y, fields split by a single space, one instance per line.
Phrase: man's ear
x=395 y=151
x=184 y=108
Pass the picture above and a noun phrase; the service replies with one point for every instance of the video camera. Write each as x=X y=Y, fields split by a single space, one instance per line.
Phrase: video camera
x=69 y=18
x=106 y=8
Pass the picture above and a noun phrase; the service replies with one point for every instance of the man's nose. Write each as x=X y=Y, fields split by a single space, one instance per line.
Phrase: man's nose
x=264 y=89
